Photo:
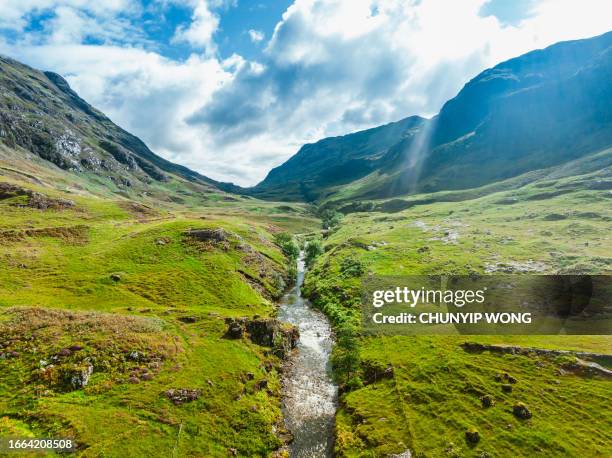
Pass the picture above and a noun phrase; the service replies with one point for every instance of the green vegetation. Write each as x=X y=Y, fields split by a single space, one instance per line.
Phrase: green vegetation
x=428 y=394
x=109 y=305
x=331 y=219
x=288 y=245
x=314 y=249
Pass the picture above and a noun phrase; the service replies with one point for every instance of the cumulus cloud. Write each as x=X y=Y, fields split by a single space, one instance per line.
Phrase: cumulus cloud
x=204 y=24
x=330 y=67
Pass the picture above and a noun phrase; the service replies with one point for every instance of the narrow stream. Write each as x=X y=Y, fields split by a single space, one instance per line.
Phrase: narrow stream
x=309 y=394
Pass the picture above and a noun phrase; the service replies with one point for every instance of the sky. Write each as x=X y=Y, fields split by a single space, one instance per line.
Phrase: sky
x=232 y=88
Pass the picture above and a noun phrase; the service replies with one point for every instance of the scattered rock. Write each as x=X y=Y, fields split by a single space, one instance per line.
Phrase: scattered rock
x=487 y=400
x=472 y=436
x=64 y=352
x=521 y=411
x=250 y=376
x=80 y=376
x=181 y=395
x=209 y=235
x=75 y=348
x=134 y=379
x=115 y=277
x=405 y=454
x=147 y=376
x=507 y=388
x=188 y=319
x=374 y=371
x=261 y=385
x=510 y=267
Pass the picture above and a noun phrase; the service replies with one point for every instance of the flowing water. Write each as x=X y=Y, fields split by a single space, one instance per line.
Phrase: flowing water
x=309 y=394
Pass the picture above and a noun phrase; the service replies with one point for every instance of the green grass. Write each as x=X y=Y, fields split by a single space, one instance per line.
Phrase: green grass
x=130 y=263
x=433 y=397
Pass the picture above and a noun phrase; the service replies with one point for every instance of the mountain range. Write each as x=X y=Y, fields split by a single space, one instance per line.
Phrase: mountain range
x=538 y=110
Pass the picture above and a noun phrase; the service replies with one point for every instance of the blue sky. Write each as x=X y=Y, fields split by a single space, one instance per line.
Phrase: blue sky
x=232 y=88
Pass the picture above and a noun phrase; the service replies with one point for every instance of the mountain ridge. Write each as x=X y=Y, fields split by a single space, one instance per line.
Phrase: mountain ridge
x=41 y=113
x=529 y=112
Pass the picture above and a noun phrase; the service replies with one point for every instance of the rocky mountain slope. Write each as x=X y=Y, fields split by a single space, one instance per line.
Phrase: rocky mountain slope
x=40 y=113
x=538 y=110
x=334 y=161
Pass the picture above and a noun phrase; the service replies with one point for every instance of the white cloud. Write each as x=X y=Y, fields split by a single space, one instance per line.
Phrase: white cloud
x=204 y=24
x=256 y=35
x=330 y=67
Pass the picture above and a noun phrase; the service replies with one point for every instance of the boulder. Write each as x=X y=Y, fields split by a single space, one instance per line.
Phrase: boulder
x=374 y=371
x=235 y=330
x=472 y=436
x=487 y=400
x=267 y=332
x=521 y=411
x=282 y=338
x=209 y=235
x=188 y=319
x=79 y=376
x=182 y=395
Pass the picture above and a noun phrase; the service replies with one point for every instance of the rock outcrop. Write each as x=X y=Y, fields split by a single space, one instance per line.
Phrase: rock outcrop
x=267 y=332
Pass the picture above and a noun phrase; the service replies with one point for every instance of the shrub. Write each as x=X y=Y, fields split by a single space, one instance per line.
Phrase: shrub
x=314 y=249
x=286 y=243
x=346 y=360
x=331 y=219
x=352 y=267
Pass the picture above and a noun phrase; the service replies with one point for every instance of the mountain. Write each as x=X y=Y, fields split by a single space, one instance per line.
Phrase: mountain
x=334 y=161
x=40 y=113
x=538 y=110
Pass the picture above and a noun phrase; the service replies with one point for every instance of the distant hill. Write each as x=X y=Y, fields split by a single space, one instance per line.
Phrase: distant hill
x=541 y=109
x=40 y=113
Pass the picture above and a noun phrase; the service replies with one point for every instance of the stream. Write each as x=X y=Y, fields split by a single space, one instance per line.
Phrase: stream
x=309 y=394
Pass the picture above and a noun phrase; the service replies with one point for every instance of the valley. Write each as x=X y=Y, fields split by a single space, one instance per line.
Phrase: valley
x=148 y=310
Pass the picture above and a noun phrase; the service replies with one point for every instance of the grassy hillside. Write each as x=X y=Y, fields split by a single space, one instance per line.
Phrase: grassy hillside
x=424 y=393
x=90 y=279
